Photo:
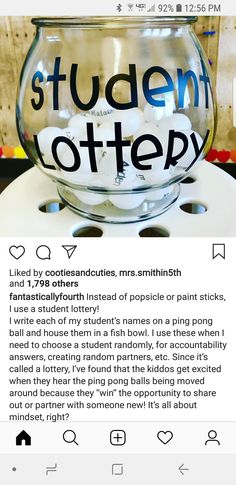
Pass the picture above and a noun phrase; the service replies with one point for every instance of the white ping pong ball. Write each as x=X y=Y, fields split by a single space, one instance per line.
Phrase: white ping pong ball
x=130 y=120
x=91 y=199
x=81 y=120
x=127 y=201
x=46 y=137
x=177 y=122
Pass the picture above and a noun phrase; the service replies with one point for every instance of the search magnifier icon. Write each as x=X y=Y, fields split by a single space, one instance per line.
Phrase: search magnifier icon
x=69 y=436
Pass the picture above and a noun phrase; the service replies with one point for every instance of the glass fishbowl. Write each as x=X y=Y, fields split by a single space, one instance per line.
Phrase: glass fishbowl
x=116 y=111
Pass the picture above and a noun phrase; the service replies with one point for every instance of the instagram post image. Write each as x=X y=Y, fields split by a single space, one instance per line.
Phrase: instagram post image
x=135 y=133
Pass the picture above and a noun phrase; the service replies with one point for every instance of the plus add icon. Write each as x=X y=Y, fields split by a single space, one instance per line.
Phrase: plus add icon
x=117 y=437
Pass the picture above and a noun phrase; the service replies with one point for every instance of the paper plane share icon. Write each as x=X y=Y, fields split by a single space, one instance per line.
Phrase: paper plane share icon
x=70 y=249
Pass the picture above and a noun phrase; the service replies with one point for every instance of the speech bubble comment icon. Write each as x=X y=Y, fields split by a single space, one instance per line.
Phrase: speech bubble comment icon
x=43 y=252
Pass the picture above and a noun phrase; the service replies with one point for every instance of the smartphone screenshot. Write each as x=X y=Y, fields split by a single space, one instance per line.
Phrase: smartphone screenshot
x=117 y=243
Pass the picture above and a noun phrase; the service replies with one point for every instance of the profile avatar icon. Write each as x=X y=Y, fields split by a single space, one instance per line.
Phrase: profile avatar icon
x=212 y=435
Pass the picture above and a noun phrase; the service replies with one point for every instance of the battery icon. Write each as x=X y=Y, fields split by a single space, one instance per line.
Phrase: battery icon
x=178 y=7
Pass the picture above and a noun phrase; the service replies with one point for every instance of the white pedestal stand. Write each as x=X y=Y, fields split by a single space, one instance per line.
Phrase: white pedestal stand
x=213 y=188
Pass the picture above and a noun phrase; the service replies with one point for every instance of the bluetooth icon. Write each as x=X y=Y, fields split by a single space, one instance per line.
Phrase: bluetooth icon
x=119 y=7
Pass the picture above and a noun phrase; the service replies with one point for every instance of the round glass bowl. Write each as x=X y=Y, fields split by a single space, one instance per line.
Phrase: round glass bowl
x=117 y=111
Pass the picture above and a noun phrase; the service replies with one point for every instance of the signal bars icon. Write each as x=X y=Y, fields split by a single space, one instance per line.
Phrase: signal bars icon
x=152 y=8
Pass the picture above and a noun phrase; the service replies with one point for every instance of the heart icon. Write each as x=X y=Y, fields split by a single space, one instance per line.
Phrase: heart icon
x=165 y=436
x=17 y=251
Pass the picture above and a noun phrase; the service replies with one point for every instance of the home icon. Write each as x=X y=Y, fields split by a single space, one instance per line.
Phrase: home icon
x=23 y=437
